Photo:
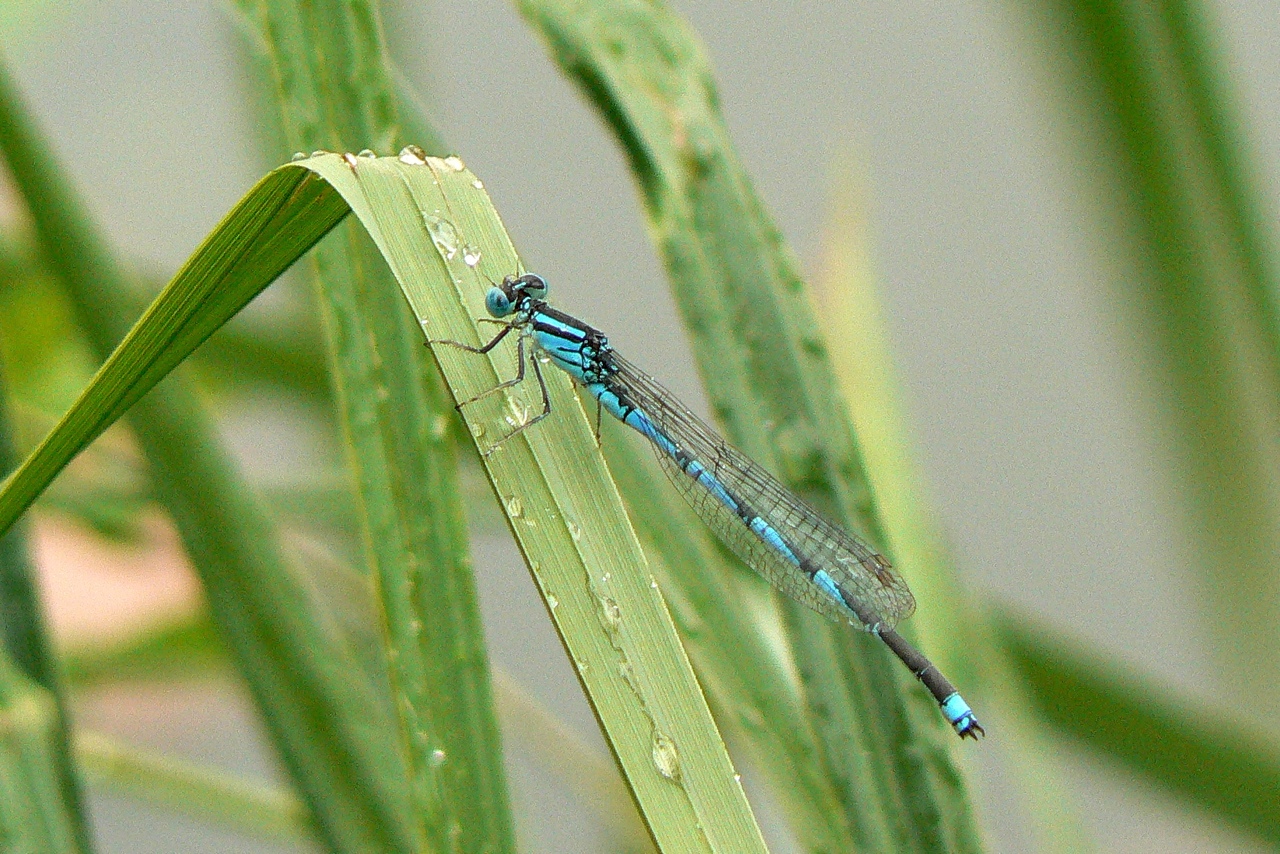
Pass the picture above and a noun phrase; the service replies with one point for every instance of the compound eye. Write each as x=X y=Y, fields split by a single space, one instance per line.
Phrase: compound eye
x=498 y=303
x=534 y=285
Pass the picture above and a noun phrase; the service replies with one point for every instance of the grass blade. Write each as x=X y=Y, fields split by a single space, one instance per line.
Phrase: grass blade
x=1214 y=764
x=335 y=91
x=1166 y=160
x=436 y=226
x=227 y=271
x=234 y=803
x=853 y=319
x=34 y=814
x=33 y=699
x=319 y=717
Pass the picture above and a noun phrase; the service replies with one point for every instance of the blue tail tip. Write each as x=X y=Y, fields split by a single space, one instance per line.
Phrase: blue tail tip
x=962 y=718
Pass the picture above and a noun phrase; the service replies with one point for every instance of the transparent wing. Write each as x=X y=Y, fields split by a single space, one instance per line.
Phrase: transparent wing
x=874 y=591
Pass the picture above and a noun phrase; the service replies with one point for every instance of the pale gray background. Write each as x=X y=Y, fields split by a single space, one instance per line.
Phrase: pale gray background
x=1026 y=408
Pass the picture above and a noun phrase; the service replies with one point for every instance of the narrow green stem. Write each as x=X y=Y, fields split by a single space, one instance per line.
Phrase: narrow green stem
x=196 y=791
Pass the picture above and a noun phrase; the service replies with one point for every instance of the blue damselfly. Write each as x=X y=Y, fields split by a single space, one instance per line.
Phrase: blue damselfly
x=809 y=559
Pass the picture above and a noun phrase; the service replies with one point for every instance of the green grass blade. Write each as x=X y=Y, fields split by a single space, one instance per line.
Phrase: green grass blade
x=438 y=231
x=1147 y=92
x=31 y=677
x=34 y=814
x=248 y=808
x=242 y=256
x=850 y=308
x=318 y=715
x=881 y=742
x=26 y=643
x=335 y=92
x=1214 y=764
x=736 y=661
x=579 y=766
x=414 y=530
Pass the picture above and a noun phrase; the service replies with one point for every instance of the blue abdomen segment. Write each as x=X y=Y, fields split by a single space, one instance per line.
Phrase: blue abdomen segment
x=958 y=713
x=828 y=584
x=641 y=422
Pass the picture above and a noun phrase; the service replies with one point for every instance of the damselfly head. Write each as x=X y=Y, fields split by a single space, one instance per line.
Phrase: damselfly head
x=513 y=293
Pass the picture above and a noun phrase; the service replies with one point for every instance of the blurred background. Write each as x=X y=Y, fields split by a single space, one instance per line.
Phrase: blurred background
x=1030 y=400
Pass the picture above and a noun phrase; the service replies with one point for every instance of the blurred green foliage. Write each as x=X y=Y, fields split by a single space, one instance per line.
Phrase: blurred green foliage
x=1147 y=84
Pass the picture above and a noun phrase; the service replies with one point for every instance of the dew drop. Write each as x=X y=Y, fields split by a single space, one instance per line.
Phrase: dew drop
x=443 y=235
x=366 y=153
x=478 y=184
x=553 y=601
x=470 y=255
x=319 y=152
x=515 y=508
x=665 y=756
x=350 y=160
x=575 y=531
x=611 y=613
x=438 y=758
x=412 y=155
x=299 y=155
x=454 y=163
x=518 y=413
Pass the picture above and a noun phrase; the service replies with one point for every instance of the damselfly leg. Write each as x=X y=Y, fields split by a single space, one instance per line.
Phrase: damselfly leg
x=523 y=356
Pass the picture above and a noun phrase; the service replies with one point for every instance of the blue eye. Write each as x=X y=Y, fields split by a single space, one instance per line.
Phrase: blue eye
x=498 y=304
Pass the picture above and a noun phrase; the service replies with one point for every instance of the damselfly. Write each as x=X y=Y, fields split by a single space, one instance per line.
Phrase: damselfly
x=790 y=544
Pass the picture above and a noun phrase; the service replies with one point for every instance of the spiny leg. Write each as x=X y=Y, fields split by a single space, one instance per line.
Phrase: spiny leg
x=546 y=402
x=520 y=360
x=516 y=380
x=506 y=330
